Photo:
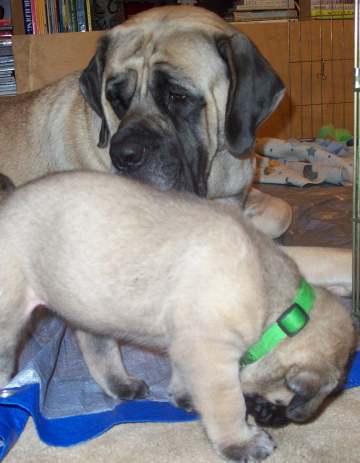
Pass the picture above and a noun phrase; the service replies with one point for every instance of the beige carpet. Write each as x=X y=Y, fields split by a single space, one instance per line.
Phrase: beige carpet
x=333 y=438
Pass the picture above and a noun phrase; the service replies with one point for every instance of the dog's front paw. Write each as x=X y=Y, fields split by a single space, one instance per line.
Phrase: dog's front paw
x=266 y=413
x=132 y=389
x=260 y=446
x=183 y=401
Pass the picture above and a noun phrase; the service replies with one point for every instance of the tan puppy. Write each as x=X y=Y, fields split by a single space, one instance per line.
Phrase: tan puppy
x=120 y=260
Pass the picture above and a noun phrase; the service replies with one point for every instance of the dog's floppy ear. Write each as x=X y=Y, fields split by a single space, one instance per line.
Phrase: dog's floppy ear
x=255 y=91
x=90 y=86
x=310 y=390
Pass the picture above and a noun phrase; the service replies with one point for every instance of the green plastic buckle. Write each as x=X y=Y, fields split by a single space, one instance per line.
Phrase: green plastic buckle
x=293 y=320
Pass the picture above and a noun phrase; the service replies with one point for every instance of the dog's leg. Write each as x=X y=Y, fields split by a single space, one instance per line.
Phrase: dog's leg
x=9 y=335
x=330 y=268
x=13 y=318
x=267 y=213
x=327 y=267
x=103 y=358
x=211 y=371
x=178 y=391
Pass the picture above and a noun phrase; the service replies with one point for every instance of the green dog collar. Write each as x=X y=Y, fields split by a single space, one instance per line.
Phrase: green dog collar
x=288 y=324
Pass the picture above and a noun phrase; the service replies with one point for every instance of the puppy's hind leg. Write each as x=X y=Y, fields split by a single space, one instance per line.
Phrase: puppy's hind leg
x=103 y=358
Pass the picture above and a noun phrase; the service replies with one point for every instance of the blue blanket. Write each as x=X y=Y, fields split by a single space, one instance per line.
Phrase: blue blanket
x=68 y=407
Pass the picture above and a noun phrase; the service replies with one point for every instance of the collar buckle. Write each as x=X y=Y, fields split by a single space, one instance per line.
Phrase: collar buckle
x=293 y=320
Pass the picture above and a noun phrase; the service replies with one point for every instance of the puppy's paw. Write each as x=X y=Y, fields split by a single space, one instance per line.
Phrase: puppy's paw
x=183 y=401
x=133 y=388
x=260 y=446
x=266 y=413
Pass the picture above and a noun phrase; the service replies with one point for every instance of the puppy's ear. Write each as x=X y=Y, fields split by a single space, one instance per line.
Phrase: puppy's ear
x=255 y=91
x=310 y=390
x=90 y=86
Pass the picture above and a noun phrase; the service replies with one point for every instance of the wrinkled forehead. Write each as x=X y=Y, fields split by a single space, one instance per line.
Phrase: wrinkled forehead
x=184 y=52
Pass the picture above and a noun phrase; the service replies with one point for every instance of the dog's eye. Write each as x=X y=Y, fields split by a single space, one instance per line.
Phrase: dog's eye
x=177 y=97
x=120 y=90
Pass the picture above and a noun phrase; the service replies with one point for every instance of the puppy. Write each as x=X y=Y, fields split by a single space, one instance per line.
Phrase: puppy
x=119 y=260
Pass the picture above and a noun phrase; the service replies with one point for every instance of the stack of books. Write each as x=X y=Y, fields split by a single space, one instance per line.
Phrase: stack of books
x=7 y=65
x=262 y=10
x=51 y=16
x=326 y=9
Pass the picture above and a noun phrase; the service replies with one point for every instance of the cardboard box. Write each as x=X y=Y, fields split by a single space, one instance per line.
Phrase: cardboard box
x=42 y=59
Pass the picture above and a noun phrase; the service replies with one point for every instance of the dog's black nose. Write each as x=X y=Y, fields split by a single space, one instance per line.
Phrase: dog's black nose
x=127 y=154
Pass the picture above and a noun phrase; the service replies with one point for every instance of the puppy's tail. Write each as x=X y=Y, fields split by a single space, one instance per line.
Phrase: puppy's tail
x=6 y=186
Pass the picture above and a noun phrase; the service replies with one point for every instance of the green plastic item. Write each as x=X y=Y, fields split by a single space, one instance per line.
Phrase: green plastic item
x=340 y=135
x=326 y=131
x=343 y=135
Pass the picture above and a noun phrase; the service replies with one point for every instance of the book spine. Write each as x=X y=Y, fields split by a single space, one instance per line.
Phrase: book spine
x=56 y=19
x=264 y=15
x=49 y=16
x=47 y=23
x=52 y=18
x=80 y=15
x=66 y=16
x=34 y=17
x=89 y=15
x=73 y=17
x=40 y=13
x=264 y=5
x=28 y=22
x=60 y=16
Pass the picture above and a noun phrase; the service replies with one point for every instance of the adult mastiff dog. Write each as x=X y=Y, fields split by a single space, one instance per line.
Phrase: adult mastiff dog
x=173 y=98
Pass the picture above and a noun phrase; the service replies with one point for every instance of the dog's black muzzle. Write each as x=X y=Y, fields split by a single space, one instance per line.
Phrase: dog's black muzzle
x=151 y=151
x=130 y=147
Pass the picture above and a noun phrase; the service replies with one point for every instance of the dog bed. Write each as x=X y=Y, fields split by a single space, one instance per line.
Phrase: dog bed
x=299 y=163
x=54 y=387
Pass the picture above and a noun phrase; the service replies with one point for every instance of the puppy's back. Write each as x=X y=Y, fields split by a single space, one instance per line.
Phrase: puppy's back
x=101 y=215
x=89 y=242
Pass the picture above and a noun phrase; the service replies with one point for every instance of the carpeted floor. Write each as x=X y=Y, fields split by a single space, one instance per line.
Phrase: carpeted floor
x=332 y=438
